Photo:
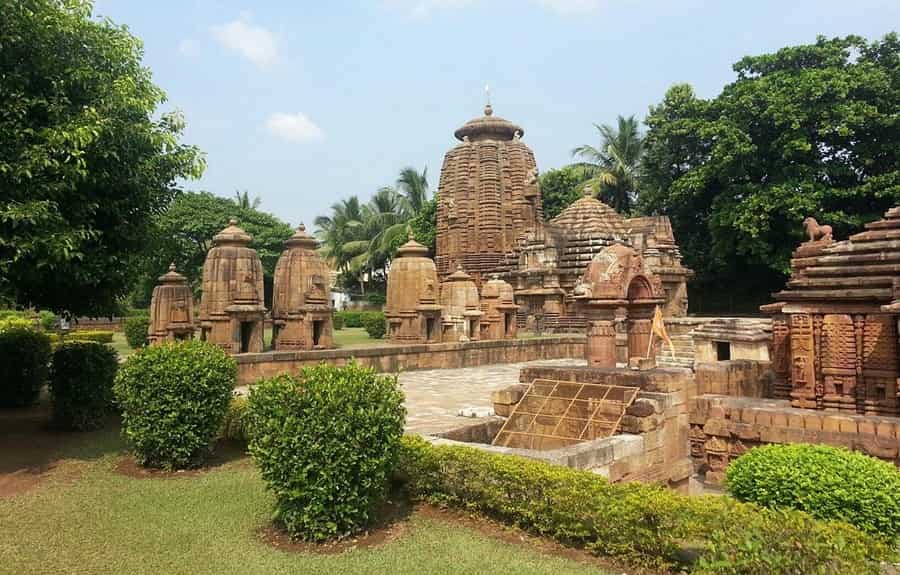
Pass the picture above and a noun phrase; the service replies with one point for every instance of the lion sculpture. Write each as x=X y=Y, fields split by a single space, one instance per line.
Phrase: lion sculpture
x=817 y=232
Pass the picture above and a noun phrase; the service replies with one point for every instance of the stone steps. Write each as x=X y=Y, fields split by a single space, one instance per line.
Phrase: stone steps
x=684 y=352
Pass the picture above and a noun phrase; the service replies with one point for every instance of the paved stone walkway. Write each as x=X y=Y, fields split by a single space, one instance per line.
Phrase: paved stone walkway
x=434 y=397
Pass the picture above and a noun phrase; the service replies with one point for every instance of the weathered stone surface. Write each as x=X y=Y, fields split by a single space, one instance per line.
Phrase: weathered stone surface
x=460 y=307
x=171 y=309
x=301 y=310
x=413 y=311
x=232 y=305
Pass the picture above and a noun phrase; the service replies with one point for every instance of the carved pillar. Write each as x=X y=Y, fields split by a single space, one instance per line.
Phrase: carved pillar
x=819 y=379
x=781 y=357
x=638 y=337
x=802 y=365
x=600 y=349
x=859 y=327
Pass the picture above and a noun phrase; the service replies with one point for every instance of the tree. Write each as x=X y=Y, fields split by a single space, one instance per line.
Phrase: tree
x=613 y=168
x=561 y=187
x=808 y=131
x=243 y=200
x=183 y=234
x=86 y=161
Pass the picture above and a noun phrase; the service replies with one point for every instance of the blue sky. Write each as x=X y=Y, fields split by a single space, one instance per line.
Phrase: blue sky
x=307 y=102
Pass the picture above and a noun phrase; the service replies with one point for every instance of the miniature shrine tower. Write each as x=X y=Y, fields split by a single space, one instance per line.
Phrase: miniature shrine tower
x=171 y=309
x=412 y=311
x=301 y=312
x=232 y=308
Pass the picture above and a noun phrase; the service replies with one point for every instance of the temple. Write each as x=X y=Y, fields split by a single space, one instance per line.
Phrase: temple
x=835 y=326
x=232 y=307
x=490 y=222
x=171 y=309
x=301 y=311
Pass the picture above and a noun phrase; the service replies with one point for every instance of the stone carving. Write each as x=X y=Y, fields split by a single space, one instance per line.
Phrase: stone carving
x=817 y=232
x=412 y=311
x=498 y=307
x=231 y=308
x=840 y=319
x=301 y=311
x=461 y=307
x=171 y=309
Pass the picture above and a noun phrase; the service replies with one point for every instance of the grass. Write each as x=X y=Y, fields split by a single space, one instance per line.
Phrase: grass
x=120 y=344
x=99 y=521
x=355 y=337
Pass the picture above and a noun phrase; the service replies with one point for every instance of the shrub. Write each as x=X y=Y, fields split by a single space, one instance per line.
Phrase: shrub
x=94 y=335
x=15 y=322
x=337 y=321
x=173 y=399
x=326 y=442
x=375 y=325
x=644 y=524
x=356 y=318
x=234 y=425
x=376 y=299
x=136 y=328
x=24 y=365
x=826 y=482
x=48 y=320
x=81 y=380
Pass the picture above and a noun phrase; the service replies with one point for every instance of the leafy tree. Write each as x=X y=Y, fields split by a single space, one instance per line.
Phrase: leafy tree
x=810 y=130
x=184 y=232
x=86 y=161
x=613 y=167
x=561 y=187
x=424 y=225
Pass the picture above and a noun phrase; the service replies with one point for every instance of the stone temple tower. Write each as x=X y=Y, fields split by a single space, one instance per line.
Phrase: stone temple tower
x=488 y=197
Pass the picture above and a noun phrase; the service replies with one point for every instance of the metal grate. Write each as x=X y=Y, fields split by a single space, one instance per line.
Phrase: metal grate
x=554 y=413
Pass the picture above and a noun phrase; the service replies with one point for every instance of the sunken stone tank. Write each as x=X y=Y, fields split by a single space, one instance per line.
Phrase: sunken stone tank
x=412 y=311
x=231 y=308
x=301 y=312
x=461 y=307
x=171 y=309
x=488 y=197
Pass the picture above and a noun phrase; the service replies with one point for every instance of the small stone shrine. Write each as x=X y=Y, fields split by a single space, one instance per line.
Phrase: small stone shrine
x=232 y=306
x=171 y=309
x=412 y=311
x=301 y=311
x=618 y=295
x=834 y=343
x=498 y=307
x=461 y=307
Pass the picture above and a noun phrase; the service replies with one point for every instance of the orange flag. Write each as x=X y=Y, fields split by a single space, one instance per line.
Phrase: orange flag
x=658 y=328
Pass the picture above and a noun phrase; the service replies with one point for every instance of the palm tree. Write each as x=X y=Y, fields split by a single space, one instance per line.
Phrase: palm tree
x=244 y=202
x=613 y=168
x=412 y=191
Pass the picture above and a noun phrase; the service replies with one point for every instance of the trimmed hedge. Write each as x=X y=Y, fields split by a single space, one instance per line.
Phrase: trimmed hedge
x=24 y=365
x=136 y=328
x=375 y=325
x=174 y=397
x=81 y=380
x=326 y=442
x=356 y=318
x=644 y=524
x=11 y=321
x=234 y=425
x=826 y=482
x=95 y=335
x=337 y=321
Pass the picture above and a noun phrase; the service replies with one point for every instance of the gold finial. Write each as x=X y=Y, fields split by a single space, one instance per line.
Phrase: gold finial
x=172 y=267
x=301 y=227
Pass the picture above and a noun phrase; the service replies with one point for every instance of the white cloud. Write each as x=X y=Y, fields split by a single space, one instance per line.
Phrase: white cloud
x=296 y=128
x=186 y=47
x=251 y=42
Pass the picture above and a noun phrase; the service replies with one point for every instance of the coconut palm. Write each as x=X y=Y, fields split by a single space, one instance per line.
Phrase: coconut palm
x=613 y=168
x=244 y=202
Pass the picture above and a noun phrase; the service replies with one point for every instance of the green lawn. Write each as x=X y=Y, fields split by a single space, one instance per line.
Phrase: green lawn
x=120 y=344
x=355 y=337
x=87 y=518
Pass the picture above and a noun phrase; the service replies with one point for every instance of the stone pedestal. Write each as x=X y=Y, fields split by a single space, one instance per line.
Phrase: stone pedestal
x=600 y=349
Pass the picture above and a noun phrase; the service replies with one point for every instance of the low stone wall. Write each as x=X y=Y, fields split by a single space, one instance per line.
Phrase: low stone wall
x=723 y=428
x=736 y=378
x=393 y=358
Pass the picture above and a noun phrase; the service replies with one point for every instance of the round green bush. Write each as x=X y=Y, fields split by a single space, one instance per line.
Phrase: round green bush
x=337 y=321
x=375 y=325
x=81 y=380
x=136 y=328
x=826 y=482
x=173 y=399
x=326 y=442
x=24 y=365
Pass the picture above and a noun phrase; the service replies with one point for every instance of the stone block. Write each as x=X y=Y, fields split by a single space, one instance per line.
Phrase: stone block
x=717 y=427
x=509 y=395
x=641 y=408
x=795 y=421
x=865 y=426
x=885 y=429
x=876 y=447
x=812 y=422
x=747 y=431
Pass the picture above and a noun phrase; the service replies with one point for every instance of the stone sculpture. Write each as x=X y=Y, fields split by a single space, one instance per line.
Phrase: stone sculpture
x=815 y=231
